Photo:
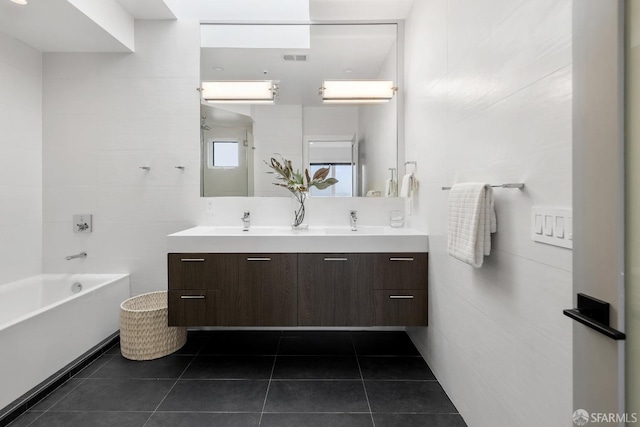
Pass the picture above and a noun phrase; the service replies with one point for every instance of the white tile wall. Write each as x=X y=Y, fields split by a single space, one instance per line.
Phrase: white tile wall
x=488 y=98
x=105 y=115
x=20 y=160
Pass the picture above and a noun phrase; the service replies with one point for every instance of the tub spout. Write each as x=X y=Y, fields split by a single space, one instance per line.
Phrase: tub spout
x=80 y=255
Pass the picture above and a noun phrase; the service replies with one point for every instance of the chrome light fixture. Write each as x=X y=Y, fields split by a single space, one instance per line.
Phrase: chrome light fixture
x=357 y=91
x=240 y=92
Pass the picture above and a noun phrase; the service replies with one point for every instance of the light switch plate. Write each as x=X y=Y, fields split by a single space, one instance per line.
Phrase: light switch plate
x=552 y=226
x=82 y=223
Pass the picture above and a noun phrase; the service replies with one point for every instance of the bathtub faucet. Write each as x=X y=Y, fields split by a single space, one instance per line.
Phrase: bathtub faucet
x=80 y=255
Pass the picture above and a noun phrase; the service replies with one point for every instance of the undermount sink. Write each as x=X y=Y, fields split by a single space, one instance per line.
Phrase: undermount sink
x=261 y=239
x=362 y=230
x=238 y=231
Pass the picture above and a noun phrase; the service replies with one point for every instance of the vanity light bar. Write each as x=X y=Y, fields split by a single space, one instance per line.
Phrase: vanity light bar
x=357 y=91
x=250 y=91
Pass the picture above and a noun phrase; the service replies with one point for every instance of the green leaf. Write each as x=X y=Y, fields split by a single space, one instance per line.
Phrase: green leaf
x=321 y=185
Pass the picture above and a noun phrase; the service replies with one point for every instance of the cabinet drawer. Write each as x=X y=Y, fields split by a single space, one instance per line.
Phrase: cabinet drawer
x=202 y=271
x=194 y=308
x=400 y=271
x=400 y=307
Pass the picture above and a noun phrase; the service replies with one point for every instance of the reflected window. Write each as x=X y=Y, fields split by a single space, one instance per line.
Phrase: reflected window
x=343 y=172
x=223 y=154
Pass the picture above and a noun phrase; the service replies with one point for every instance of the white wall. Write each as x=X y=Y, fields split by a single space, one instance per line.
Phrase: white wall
x=330 y=120
x=104 y=116
x=488 y=98
x=378 y=137
x=20 y=160
x=277 y=131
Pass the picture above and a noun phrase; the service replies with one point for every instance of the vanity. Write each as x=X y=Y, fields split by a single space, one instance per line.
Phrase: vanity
x=273 y=276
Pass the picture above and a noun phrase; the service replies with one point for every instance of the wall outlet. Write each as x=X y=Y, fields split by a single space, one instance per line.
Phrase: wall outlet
x=209 y=207
x=82 y=223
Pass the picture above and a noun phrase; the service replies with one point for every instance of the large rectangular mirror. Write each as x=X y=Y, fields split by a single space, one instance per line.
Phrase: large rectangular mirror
x=357 y=140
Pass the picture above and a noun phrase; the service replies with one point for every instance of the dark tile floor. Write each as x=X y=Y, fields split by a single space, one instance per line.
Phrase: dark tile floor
x=249 y=378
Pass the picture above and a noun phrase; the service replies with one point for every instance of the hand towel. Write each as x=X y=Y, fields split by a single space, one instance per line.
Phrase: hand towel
x=472 y=218
x=409 y=185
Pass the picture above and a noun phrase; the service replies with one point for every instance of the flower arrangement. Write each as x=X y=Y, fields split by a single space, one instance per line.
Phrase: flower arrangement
x=299 y=184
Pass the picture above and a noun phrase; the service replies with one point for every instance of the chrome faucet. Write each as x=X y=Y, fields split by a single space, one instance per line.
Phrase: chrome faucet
x=80 y=255
x=354 y=220
x=246 y=221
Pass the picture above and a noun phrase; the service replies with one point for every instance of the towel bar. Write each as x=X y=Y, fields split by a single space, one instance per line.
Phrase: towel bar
x=516 y=185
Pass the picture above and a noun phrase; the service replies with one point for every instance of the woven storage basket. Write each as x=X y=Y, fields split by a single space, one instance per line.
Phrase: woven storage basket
x=144 y=334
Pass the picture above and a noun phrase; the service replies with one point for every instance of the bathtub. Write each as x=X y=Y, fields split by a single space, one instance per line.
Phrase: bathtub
x=47 y=321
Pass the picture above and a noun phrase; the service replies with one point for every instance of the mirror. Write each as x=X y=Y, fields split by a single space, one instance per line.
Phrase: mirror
x=357 y=141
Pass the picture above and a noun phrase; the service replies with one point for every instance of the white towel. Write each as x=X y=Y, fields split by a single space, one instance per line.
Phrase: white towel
x=472 y=217
x=409 y=185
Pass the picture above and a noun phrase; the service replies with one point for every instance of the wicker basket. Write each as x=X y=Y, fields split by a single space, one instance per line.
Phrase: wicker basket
x=144 y=334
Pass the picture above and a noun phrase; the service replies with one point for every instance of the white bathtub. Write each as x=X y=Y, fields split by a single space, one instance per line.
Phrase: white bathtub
x=44 y=325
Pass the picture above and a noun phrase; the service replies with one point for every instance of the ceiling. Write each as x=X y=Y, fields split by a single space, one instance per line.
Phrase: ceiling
x=362 y=49
x=108 y=25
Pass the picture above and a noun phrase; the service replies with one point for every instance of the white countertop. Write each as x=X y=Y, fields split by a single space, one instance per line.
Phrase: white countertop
x=212 y=239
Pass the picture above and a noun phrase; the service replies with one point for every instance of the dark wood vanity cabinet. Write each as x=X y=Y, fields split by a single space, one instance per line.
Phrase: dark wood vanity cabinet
x=400 y=289
x=335 y=289
x=306 y=289
x=232 y=289
x=197 y=283
x=266 y=293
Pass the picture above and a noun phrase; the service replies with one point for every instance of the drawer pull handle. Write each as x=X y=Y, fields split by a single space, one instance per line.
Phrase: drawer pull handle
x=400 y=259
x=336 y=259
x=192 y=259
x=400 y=296
x=191 y=296
x=259 y=259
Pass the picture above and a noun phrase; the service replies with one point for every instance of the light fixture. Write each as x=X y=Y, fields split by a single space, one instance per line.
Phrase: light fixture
x=240 y=92
x=357 y=91
x=20 y=2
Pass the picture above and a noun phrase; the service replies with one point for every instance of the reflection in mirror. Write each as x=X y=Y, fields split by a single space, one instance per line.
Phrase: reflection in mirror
x=357 y=141
x=227 y=160
x=337 y=154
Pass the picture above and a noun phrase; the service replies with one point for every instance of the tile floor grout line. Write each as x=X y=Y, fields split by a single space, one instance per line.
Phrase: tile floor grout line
x=171 y=389
x=364 y=387
x=196 y=351
x=273 y=368
x=83 y=380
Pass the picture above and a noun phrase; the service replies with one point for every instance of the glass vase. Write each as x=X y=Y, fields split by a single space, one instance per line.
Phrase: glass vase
x=300 y=210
